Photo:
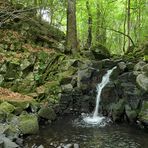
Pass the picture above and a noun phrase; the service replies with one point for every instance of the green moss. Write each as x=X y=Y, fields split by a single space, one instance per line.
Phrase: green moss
x=28 y=124
x=146 y=58
x=47 y=113
x=7 y=107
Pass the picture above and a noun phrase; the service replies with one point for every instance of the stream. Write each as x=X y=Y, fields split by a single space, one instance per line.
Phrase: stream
x=71 y=130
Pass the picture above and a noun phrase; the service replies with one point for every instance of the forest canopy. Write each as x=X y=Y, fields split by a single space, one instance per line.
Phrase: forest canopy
x=116 y=24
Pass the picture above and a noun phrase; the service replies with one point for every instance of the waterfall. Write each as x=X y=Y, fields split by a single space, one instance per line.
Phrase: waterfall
x=95 y=119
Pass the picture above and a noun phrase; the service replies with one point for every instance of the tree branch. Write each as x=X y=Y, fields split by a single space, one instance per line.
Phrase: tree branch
x=119 y=33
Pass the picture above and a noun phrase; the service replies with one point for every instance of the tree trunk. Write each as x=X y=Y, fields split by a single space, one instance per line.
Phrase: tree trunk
x=89 y=37
x=128 y=21
x=71 y=27
x=100 y=32
x=124 y=27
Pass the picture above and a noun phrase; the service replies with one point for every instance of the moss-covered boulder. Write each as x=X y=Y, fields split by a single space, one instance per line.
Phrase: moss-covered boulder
x=47 y=113
x=143 y=115
x=142 y=81
x=6 y=107
x=28 y=124
x=100 y=52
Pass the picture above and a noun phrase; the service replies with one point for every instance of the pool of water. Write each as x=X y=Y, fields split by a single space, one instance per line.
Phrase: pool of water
x=70 y=130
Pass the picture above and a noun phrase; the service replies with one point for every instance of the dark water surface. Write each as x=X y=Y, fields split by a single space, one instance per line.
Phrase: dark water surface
x=68 y=130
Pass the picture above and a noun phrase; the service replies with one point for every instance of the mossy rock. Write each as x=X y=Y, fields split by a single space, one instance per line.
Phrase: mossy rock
x=26 y=85
x=7 y=107
x=20 y=106
x=146 y=58
x=145 y=69
x=143 y=115
x=100 y=52
x=51 y=87
x=13 y=71
x=118 y=109
x=47 y=113
x=28 y=124
x=142 y=81
x=66 y=74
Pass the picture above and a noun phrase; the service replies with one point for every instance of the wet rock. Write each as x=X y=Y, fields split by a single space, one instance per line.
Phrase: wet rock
x=47 y=113
x=142 y=81
x=138 y=66
x=83 y=77
x=28 y=124
x=68 y=146
x=122 y=66
x=41 y=146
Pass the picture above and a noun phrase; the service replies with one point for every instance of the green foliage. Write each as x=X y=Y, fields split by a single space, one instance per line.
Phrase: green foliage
x=106 y=15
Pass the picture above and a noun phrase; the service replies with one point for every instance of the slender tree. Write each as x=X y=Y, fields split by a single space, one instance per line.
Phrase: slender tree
x=89 y=37
x=128 y=20
x=71 y=26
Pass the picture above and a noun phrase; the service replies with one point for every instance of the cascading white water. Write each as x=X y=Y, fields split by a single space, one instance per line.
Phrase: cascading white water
x=95 y=119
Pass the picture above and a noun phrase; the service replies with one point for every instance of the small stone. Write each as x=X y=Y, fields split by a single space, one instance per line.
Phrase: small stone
x=67 y=88
x=41 y=146
x=122 y=66
x=68 y=146
x=76 y=145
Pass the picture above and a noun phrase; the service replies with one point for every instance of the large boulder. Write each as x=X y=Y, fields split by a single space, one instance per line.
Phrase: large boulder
x=142 y=81
x=100 y=52
x=28 y=124
x=47 y=113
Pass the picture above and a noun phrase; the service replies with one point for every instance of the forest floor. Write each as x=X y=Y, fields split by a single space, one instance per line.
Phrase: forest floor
x=8 y=95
